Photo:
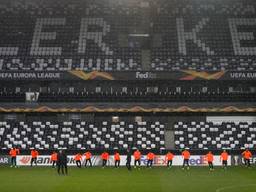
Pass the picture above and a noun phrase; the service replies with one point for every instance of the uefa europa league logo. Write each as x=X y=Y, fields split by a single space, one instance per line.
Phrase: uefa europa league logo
x=236 y=160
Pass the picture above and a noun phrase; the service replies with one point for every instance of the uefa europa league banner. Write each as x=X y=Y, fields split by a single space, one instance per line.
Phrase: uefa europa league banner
x=126 y=75
x=159 y=160
x=239 y=160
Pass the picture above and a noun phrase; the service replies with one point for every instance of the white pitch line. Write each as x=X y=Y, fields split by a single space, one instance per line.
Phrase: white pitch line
x=233 y=186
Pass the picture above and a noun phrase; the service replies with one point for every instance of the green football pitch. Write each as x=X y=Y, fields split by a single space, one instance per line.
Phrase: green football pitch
x=197 y=179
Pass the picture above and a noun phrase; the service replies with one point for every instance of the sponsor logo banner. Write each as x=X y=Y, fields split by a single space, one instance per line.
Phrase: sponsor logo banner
x=242 y=75
x=127 y=75
x=239 y=160
x=31 y=75
x=4 y=160
x=45 y=160
x=159 y=160
x=195 y=160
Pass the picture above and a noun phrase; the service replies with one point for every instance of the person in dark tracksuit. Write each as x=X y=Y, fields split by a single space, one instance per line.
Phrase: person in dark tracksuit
x=62 y=163
x=128 y=160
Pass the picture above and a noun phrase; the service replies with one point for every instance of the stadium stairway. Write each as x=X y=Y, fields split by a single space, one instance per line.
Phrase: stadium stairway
x=169 y=139
x=145 y=59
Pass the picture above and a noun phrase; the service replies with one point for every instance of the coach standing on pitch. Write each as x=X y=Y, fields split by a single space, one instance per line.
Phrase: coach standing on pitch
x=62 y=162
x=128 y=160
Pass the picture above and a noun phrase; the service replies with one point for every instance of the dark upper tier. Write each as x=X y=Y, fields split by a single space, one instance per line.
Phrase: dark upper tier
x=123 y=36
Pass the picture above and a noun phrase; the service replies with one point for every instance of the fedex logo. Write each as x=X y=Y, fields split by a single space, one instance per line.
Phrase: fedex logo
x=144 y=160
x=158 y=160
x=198 y=161
x=178 y=160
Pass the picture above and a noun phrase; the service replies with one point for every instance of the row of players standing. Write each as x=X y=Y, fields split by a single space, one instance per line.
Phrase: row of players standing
x=117 y=158
x=58 y=159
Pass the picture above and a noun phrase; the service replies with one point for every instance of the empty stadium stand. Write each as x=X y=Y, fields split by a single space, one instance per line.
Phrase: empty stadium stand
x=146 y=97
x=206 y=37
x=130 y=91
x=106 y=36
x=215 y=136
x=64 y=61
x=100 y=135
x=82 y=135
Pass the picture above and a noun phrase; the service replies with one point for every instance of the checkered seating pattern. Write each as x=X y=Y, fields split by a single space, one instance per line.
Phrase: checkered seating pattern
x=95 y=35
x=82 y=135
x=47 y=36
x=215 y=136
x=205 y=36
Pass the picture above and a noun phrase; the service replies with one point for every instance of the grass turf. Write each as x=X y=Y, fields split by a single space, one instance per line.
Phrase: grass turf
x=197 y=179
